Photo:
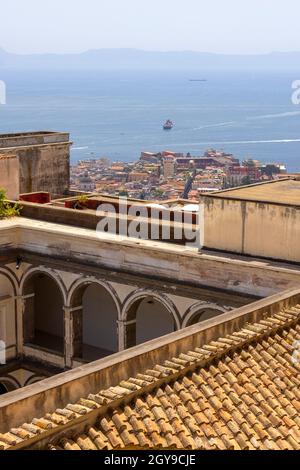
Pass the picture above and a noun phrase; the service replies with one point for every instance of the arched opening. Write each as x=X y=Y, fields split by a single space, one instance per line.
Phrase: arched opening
x=95 y=322
x=3 y=389
x=8 y=384
x=7 y=316
x=44 y=314
x=202 y=315
x=147 y=318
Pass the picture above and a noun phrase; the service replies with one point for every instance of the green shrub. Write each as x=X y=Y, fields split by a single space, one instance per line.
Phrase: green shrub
x=81 y=202
x=6 y=208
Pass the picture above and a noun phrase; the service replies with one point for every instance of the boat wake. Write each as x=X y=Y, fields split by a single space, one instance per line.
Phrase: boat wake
x=274 y=116
x=220 y=124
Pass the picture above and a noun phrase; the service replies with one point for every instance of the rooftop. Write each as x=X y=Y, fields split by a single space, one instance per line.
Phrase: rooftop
x=27 y=134
x=285 y=191
x=5 y=157
x=238 y=390
x=24 y=139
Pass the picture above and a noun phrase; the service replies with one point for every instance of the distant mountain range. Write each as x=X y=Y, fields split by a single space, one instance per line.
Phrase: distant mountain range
x=133 y=59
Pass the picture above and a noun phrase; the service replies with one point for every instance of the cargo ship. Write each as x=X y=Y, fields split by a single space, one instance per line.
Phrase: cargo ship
x=168 y=125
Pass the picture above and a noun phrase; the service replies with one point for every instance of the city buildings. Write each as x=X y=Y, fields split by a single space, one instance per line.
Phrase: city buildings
x=168 y=174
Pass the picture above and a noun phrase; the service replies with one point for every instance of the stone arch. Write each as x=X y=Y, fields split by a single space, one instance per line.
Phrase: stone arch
x=3 y=388
x=74 y=294
x=11 y=277
x=44 y=297
x=50 y=273
x=34 y=379
x=8 y=383
x=139 y=326
x=200 y=312
x=94 y=314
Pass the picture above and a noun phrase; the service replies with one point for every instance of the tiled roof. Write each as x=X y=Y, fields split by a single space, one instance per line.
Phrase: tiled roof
x=239 y=392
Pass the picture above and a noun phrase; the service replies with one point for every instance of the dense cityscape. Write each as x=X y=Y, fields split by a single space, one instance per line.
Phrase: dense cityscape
x=169 y=175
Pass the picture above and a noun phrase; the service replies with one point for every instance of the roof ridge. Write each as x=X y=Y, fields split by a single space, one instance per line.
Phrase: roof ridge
x=63 y=420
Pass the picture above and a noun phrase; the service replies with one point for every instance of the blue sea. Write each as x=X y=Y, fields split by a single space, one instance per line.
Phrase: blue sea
x=118 y=114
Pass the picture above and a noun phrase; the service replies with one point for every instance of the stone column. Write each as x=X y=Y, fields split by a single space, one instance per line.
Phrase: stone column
x=68 y=353
x=127 y=334
x=3 y=331
x=121 y=333
x=73 y=333
x=20 y=311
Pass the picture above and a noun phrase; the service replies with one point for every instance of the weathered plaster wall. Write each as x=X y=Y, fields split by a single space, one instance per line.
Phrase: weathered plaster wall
x=44 y=168
x=32 y=138
x=153 y=321
x=48 y=307
x=254 y=277
x=9 y=176
x=252 y=228
x=43 y=161
x=100 y=319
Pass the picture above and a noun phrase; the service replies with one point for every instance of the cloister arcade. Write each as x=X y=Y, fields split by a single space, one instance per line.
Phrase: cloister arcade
x=65 y=324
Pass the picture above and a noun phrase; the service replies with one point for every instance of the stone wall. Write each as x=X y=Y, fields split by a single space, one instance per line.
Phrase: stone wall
x=44 y=161
x=25 y=139
x=9 y=176
x=45 y=168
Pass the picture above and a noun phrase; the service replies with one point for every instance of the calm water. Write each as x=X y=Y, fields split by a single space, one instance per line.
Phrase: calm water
x=118 y=114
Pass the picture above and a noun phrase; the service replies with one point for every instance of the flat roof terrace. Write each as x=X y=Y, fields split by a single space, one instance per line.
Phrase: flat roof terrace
x=286 y=192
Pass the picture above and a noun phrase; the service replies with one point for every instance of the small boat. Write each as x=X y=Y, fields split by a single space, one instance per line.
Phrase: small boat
x=168 y=125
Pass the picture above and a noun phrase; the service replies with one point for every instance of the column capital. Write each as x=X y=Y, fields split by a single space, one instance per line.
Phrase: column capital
x=68 y=308
x=126 y=322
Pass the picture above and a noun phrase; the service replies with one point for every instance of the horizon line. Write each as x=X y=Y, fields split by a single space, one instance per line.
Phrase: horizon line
x=157 y=51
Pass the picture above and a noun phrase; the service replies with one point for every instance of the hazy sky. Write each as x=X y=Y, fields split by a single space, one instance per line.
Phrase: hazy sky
x=228 y=26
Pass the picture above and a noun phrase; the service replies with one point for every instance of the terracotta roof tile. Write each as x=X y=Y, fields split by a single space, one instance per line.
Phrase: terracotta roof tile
x=240 y=392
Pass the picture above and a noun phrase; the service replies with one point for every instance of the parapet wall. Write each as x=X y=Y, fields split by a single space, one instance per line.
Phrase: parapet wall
x=269 y=230
x=168 y=231
x=181 y=264
x=25 y=139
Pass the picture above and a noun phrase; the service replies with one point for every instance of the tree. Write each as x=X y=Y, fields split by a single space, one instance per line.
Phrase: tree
x=158 y=192
x=7 y=209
